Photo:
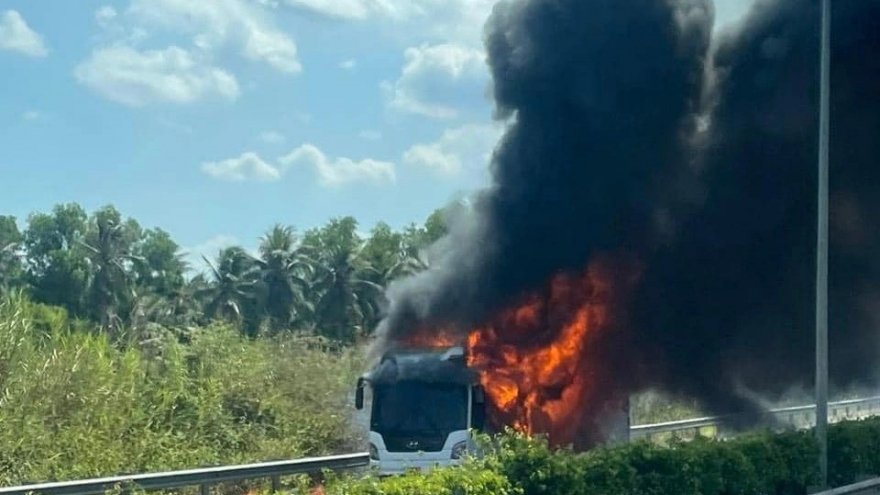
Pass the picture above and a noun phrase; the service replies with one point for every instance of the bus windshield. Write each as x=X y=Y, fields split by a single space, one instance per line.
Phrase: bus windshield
x=415 y=408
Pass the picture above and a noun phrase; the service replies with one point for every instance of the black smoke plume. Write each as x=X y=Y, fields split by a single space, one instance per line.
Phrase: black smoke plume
x=590 y=154
x=731 y=303
x=633 y=132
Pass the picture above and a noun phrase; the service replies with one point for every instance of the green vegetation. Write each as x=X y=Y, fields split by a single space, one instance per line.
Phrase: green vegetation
x=109 y=270
x=474 y=478
x=76 y=404
x=116 y=358
x=759 y=463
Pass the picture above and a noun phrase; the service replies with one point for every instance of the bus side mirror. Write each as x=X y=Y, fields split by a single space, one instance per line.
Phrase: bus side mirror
x=359 y=395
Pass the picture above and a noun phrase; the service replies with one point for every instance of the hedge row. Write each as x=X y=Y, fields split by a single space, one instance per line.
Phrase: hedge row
x=758 y=463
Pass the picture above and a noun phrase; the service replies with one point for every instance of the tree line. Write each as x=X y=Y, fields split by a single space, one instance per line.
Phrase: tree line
x=106 y=269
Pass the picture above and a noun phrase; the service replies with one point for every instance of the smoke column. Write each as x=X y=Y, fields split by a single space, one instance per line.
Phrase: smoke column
x=583 y=163
x=731 y=302
x=632 y=132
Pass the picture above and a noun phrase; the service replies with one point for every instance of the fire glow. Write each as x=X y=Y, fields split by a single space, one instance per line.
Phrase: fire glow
x=538 y=360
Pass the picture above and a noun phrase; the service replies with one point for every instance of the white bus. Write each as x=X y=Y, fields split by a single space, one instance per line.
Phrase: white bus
x=424 y=404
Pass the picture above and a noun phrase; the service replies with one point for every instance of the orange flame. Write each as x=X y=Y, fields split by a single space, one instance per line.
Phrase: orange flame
x=428 y=339
x=540 y=361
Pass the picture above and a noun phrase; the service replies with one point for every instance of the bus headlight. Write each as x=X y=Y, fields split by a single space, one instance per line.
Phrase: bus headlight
x=374 y=452
x=459 y=449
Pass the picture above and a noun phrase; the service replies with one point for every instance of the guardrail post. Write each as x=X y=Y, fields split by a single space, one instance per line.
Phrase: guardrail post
x=276 y=484
x=205 y=489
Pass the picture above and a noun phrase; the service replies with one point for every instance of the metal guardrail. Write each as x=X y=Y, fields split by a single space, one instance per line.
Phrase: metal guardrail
x=797 y=417
x=865 y=487
x=204 y=477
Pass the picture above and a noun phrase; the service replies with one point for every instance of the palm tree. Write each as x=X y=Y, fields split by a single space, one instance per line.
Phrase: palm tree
x=405 y=266
x=110 y=285
x=285 y=269
x=348 y=301
x=235 y=291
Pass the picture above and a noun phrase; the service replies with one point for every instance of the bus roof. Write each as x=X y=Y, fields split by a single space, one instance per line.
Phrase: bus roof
x=431 y=365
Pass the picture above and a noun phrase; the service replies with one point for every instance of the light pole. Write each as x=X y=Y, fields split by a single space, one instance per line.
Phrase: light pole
x=822 y=250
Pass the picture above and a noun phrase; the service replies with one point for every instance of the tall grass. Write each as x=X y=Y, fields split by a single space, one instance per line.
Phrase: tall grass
x=74 y=404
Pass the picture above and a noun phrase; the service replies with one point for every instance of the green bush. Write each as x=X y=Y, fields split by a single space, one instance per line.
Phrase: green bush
x=75 y=404
x=472 y=478
x=853 y=450
x=697 y=467
x=757 y=463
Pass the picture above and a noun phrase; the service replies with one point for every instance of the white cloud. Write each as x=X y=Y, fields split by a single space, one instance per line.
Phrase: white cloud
x=330 y=172
x=30 y=115
x=134 y=77
x=340 y=171
x=17 y=36
x=460 y=20
x=347 y=64
x=435 y=78
x=467 y=147
x=273 y=48
x=400 y=11
x=438 y=21
x=217 y=22
x=247 y=166
x=272 y=137
x=344 y=9
x=115 y=30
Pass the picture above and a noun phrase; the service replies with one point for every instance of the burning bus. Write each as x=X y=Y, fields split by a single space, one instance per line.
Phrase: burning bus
x=425 y=402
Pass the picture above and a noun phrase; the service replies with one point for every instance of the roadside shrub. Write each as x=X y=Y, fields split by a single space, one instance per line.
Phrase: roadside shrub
x=472 y=478
x=75 y=404
x=758 y=463
x=529 y=464
x=853 y=450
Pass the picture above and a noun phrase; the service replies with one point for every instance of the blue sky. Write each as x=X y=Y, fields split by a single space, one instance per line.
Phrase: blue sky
x=215 y=119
